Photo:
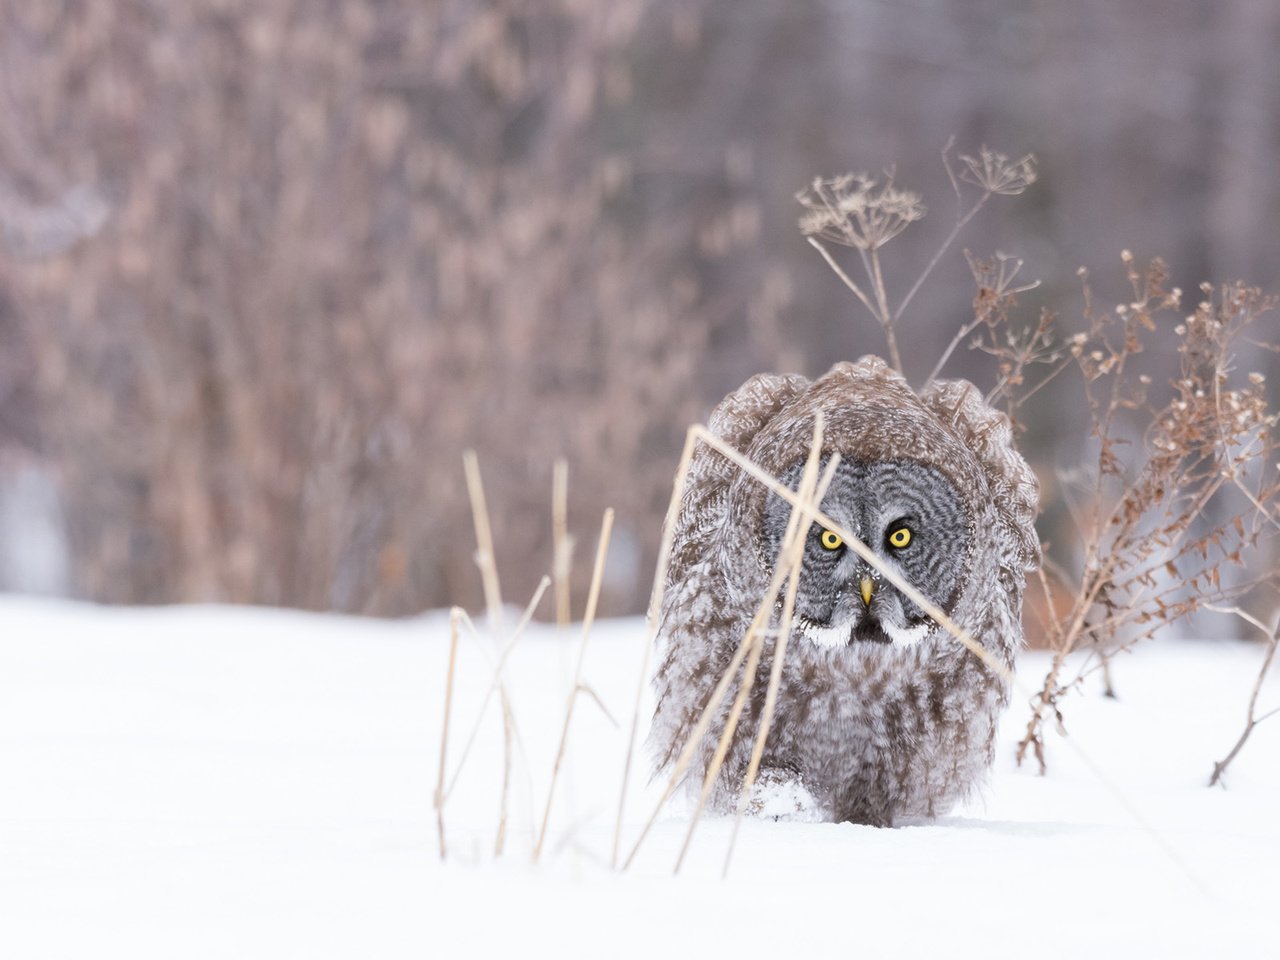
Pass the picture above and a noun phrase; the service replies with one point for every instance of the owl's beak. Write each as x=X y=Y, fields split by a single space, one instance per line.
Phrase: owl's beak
x=867 y=587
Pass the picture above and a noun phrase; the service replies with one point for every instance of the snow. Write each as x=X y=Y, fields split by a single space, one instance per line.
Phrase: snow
x=226 y=782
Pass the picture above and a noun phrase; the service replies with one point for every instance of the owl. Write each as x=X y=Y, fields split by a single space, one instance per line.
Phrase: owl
x=881 y=713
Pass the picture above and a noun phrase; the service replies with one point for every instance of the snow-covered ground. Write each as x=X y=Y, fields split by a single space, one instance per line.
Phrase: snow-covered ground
x=217 y=782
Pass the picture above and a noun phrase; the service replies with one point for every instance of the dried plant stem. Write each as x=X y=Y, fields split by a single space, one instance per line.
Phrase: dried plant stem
x=1043 y=700
x=787 y=564
x=593 y=597
x=444 y=731
x=963 y=332
x=508 y=722
x=1271 y=516
x=496 y=683
x=698 y=432
x=847 y=280
x=960 y=224
x=484 y=540
x=493 y=601
x=655 y=607
x=695 y=737
x=1050 y=620
x=1273 y=640
x=562 y=546
x=887 y=321
x=1104 y=657
x=755 y=646
x=794 y=558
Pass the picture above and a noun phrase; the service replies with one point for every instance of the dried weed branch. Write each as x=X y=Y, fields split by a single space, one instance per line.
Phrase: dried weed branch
x=1272 y=634
x=859 y=211
x=1192 y=496
x=997 y=295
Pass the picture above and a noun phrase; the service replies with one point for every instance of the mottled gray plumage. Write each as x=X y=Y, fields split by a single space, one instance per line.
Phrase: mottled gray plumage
x=881 y=714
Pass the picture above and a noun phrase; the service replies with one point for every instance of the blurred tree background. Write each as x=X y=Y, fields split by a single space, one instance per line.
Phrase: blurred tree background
x=267 y=268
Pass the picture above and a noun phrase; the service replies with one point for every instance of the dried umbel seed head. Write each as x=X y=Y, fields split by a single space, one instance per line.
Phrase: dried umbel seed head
x=994 y=172
x=856 y=210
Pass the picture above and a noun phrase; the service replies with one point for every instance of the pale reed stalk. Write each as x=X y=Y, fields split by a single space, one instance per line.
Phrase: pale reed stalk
x=593 y=597
x=655 y=609
x=444 y=731
x=789 y=556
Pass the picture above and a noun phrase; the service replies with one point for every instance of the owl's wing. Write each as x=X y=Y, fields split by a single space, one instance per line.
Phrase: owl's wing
x=736 y=421
x=1014 y=490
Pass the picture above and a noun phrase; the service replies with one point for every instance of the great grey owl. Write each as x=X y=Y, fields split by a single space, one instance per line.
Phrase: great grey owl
x=881 y=714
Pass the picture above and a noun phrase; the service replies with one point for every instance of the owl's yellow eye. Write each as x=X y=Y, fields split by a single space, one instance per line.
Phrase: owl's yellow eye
x=831 y=540
x=900 y=538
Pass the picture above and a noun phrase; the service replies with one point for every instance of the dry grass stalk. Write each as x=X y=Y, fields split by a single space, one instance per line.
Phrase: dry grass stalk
x=858 y=211
x=493 y=601
x=1252 y=720
x=593 y=597
x=496 y=682
x=444 y=730
x=695 y=738
x=512 y=741
x=651 y=633
x=793 y=560
x=484 y=540
x=788 y=564
x=755 y=646
x=511 y=731
x=508 y=725
x=562 y=543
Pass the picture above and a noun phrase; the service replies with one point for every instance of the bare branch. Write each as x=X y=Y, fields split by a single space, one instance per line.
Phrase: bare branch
x=1272 y=634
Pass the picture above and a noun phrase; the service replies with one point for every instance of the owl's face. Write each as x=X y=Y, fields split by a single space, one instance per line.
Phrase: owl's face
x=914 y=520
